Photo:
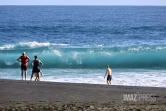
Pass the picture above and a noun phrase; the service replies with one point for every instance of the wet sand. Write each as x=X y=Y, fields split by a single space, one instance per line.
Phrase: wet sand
x=47 y=96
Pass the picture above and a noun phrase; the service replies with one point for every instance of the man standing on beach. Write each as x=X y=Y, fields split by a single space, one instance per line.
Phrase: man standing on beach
x=36 y=64
x=24 y=59
x=108 y=74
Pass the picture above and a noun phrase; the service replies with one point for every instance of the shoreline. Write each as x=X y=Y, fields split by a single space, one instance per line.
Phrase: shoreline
x=30 y=94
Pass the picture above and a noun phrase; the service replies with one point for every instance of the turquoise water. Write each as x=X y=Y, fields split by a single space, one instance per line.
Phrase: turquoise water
x=75 y=43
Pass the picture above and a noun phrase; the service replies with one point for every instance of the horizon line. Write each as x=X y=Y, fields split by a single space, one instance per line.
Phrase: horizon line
x=77 y=5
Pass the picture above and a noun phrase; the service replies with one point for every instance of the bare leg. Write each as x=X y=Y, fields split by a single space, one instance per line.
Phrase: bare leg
x=110 y=82
x=38 y=76
x=25 y=74
x=36 y=79
x=22 y=74
x=31 y=76
x=41 y=73
x=107 y=82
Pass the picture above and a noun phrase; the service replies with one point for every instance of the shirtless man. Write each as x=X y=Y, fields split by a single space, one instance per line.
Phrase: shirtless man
x=108 y=74
x=24 y=59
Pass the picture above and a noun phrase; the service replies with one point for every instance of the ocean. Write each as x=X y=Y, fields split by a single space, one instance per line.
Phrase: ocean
x=75 y=43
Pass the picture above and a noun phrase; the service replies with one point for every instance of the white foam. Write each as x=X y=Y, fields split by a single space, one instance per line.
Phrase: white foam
x=58 y=53
x=60 y=44
x=76 y=57
x=7 y=46
x=137 y=77
x=107 y=53
x=148 y=78
x=100 y=45
x=152 y=78
x=34 y=44
x=160 y=48
x=139 y=48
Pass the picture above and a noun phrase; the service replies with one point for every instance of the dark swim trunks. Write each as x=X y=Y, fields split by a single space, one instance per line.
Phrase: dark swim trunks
x=109 y=77
x=23 y=67
x=35 y=70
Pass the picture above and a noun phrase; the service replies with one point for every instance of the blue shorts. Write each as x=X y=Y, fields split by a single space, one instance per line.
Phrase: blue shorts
x=109 y=77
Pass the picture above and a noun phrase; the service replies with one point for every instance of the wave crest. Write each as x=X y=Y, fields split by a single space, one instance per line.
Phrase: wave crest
x=69 y=57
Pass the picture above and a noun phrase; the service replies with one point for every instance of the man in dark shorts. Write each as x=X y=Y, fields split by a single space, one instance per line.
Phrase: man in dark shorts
x=108 y=74
x=24 y=59
x=36 y=64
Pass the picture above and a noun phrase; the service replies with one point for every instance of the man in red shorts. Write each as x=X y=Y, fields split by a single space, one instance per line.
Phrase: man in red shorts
x=24 y=59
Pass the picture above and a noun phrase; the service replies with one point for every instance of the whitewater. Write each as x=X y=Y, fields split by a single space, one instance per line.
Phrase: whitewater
x=135 y=66
x=68 y=56
x=75 y=43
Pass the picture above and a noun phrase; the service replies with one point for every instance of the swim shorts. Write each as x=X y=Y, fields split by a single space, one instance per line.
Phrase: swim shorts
x=109 y=77
x=35 y=70
x=23 y=67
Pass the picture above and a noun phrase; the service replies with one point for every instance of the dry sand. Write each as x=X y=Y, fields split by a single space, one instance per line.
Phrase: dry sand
x=20 y=95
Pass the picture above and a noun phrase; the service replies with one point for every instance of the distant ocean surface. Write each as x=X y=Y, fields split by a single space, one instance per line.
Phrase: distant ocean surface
x=75 y=43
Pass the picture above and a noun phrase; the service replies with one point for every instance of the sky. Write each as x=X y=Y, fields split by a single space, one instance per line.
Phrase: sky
x=84 y=2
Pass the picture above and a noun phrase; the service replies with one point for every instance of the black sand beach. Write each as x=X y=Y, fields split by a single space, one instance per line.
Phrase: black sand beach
x=18 y=95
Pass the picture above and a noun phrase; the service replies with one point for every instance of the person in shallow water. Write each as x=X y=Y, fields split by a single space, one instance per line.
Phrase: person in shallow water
x=36 y=64
x=108 y=74
x=24 y=59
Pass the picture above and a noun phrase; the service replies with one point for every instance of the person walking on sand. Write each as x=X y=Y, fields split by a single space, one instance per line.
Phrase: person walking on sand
x=36 y=64
x=108 y=74
x=24 y=59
